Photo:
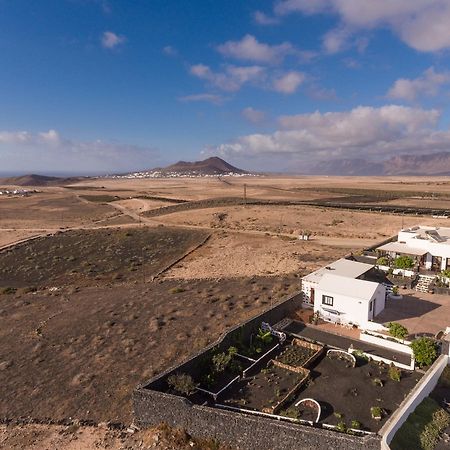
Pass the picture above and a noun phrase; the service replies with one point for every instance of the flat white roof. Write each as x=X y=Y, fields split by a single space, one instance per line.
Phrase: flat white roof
x=399 y=247
x=342 y=267
x=353 y=288
x=426 y=232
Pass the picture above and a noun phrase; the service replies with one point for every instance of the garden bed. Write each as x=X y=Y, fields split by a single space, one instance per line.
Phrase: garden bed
x=300 y=353
x=346 y=394
x=267 y=390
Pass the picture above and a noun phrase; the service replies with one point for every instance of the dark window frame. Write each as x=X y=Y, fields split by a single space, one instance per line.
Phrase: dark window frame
x=327 y=300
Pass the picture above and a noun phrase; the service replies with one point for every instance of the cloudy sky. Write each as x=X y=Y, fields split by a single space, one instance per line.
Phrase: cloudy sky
x=92 y=86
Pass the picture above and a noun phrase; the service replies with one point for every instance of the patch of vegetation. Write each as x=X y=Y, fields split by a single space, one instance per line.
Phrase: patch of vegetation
x=425 y=351
x=292 y=412
x=397 y=330
x=376 y=412
x=383 y=261
x=404 y=262
x=395 y=373
x=182 y=383
x=356 y=425
x=177 y=290
x=9 y=291
x=423 y=427
x=341 y=427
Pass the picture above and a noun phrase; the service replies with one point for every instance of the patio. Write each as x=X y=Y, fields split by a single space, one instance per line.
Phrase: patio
x=420 y=313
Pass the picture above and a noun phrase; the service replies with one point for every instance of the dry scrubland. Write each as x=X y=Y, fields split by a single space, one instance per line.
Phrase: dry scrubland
x=82 y=320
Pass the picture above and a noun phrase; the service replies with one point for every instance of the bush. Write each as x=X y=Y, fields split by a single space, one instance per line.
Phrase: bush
x=383 y=261
x=182 y=383
x=425 y=351
x=395 y=373
x=376 y=412
x=404 y=262
x=356 y=425
x=341 y=427
x=9 y=290
x=397 y=330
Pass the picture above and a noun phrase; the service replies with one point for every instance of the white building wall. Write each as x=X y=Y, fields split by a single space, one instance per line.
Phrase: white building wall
x=353 y=310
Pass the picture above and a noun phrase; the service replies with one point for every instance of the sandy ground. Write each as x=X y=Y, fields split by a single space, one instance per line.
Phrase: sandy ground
x=235 y=255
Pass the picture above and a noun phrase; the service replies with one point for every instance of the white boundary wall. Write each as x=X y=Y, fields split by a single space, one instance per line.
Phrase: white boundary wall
x=384 y=360
x=415 y=397
x=381 y=342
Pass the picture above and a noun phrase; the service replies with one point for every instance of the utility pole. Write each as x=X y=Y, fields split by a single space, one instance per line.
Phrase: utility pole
x=245 y=194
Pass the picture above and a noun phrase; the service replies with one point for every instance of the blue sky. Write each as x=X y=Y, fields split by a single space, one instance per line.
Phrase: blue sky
x=111 y=85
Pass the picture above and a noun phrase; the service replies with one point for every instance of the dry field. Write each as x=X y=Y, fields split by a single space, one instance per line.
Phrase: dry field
x=79 y=327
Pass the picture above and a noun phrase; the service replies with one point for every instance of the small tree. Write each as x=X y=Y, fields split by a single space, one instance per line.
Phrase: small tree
x=182 y=383
x=404 y=262
x=397 y=330
x=425 y=351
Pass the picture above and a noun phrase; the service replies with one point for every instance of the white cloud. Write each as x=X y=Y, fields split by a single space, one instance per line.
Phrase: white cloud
x=263 y=19
x=232 y=78
x=367 y=132
x=210 y=98
x=336 y=40
x=289 y=82
x=421 y=24
x=111 y=40
x=170 y=51
x=250 y=49
x=49 y=151
x=428 y=84
x=253 y=115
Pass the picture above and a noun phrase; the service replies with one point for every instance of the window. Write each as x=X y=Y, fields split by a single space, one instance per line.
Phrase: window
x=327 y=300
x=370 y=305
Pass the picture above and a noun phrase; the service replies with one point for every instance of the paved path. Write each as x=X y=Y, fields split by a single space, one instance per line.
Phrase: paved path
x=334 y=340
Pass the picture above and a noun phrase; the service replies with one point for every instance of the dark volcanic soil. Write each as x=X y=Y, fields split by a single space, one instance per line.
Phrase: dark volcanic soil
x=94 y=256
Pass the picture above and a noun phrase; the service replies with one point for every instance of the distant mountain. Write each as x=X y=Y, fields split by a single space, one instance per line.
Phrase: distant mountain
x=38 y=180
x=213 y=166
x=417 y=165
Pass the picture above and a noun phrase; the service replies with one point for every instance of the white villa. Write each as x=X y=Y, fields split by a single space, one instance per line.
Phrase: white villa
x=429 y=246
x=343 y=293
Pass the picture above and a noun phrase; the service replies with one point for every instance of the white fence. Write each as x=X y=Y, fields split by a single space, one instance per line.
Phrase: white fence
x=381 y=342
x=415 y=397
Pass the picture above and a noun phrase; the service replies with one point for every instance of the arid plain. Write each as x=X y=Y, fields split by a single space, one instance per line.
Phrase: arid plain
x=106 y=282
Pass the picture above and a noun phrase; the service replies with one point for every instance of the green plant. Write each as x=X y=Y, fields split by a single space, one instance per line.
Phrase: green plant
x=395 y=373
x=395 y=290
x=291 y=412
x=445 y=273
x=338 y=415
x=356 y=425
x=265 y=337
x=383 y=261
x=376 y=412
x=425 y=351
x=377 y=382
x=341 y=427
x=404 y=262
x=397 y=330
x=182 y=383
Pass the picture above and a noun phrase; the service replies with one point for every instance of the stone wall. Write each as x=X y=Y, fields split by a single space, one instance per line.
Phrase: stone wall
x=245 y=432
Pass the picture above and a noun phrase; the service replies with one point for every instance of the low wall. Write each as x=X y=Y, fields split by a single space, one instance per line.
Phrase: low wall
x=382 y=342
x=245 y=432
x=383 y=360
x=410 y=403
x=374 y=326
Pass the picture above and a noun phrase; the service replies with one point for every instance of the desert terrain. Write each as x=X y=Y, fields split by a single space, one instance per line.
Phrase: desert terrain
x=106 y=282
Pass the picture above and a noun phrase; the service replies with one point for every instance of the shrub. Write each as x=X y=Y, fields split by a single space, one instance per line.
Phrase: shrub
x=182 y=383
x=9 y=290
x=397 y=330
x=176 y=290
x=338 y=415
x=404 y=262
x=377 y=382
x=292 y=412
x=425 y=351
x=383 y=261
x=376 y=412
x=395 y=373
x=341 y=427
x=356 y=425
